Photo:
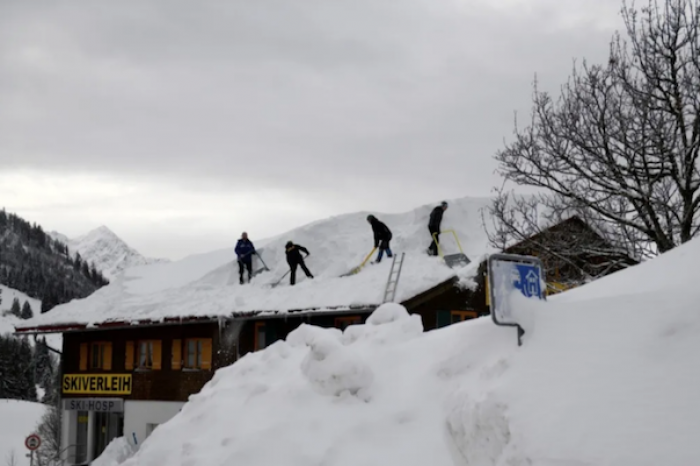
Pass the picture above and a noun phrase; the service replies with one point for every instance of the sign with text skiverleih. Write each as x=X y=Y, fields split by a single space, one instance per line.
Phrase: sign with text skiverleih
x=508 y=273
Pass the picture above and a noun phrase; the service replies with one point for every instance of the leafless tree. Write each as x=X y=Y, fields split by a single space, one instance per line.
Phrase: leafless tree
x=49 y=430
x=620 y=145
x=10 y=459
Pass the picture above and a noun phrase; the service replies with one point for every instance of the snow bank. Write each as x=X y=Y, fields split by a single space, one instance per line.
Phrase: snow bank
x=118 y=451
x=599 y=381
x=206 y=285
x=17 y=420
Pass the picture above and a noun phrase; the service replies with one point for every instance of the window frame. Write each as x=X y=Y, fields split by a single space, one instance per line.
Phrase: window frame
x=199 y=348
x=101 y=351
x=137 y=363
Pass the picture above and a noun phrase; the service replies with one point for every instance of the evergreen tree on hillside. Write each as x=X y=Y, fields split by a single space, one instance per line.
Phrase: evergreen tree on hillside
x=15 y=310
x=45 y=370
x=26 y=311
x=0 y=298
x=16 y=369
x=41 y=267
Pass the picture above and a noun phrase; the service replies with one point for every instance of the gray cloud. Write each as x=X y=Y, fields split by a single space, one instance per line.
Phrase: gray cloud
x=360 y=98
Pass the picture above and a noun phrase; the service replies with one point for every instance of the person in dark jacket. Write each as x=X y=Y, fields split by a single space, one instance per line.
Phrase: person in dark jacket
x=294 y=259
x=382 y=237
x=244 y=251
x=434 y=227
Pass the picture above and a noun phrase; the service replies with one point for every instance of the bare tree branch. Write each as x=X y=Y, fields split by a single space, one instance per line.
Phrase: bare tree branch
x=620 y=145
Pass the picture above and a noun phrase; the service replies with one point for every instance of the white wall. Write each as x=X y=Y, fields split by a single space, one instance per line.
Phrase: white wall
x=138 y=414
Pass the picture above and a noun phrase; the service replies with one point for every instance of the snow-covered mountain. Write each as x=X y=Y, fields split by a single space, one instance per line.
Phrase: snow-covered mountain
x=106 y=250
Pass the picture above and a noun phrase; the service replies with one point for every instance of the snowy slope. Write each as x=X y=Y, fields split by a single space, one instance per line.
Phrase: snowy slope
x=106 y=250
x=8 y=322
x=602 y=379
x=17 y=420
x=207 y=285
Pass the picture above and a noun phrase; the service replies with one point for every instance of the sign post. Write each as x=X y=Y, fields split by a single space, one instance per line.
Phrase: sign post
x=509 y=272
x=32 y=442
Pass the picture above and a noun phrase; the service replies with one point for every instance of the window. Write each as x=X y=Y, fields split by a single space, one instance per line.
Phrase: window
x=145 y=359
x=194 y=354
x=260 y=340
x=96 y=356
x=143 y=354
x=344 y=322
x=265 y=334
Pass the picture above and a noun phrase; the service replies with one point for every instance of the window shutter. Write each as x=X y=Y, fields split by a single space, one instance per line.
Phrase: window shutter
x=83 y=356
x=444 y=318
x=206 y=354
x=107 y=356
x=176 y=361
x=157 y=355
x=129 y=358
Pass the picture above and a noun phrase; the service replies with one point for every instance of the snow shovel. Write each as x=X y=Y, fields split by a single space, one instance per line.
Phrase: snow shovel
x=263 y=268
x=276 y=284
x=452 y=260
x=358 y=268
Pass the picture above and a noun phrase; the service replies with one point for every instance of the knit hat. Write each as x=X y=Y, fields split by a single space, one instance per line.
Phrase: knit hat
x=444 y=203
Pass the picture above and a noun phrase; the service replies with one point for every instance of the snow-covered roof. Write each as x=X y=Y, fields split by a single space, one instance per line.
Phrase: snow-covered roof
x=206 y=285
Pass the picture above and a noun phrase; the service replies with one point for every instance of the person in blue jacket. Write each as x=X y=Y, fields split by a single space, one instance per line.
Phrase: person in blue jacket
x=245 y=251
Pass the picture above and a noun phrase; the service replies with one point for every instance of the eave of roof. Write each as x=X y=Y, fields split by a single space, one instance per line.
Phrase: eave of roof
x=262 y=314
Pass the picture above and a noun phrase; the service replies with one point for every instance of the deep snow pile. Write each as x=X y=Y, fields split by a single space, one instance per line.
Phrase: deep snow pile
x=603 y=379
x=17 y=420
x=207 y=285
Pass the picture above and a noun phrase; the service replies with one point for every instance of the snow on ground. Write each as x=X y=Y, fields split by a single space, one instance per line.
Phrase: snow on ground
x=207 y=284
x=17 y=420
x=607 y=376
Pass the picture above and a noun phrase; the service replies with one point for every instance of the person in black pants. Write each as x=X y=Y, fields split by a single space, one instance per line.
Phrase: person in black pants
x=294 y=259
x=434 y=227
x=382 y=237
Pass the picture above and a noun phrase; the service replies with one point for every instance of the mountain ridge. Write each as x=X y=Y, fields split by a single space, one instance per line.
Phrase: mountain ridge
x=110 y=253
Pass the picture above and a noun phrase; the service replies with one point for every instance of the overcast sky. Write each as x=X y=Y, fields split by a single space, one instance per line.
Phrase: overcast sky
x=180 y=123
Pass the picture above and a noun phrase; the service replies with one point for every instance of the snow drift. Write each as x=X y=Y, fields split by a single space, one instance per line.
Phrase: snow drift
x=607 y=376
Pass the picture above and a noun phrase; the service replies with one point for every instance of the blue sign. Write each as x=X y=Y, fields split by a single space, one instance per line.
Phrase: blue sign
x=528 y=280
x=507 y=273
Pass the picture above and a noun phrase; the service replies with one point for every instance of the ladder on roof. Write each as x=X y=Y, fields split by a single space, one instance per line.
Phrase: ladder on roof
x=393 y=281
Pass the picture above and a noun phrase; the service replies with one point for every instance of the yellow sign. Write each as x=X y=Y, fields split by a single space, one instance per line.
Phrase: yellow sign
x=97 y=384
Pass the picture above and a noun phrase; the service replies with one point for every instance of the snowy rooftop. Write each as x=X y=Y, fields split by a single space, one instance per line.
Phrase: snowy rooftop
x=206 y=285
